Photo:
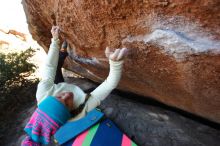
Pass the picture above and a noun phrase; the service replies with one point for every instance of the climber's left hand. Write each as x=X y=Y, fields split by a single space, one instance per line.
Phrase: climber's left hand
x=116 y=55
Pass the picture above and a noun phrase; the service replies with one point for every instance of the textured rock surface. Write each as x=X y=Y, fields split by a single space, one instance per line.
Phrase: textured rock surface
x=174 y=45
x=147 y=124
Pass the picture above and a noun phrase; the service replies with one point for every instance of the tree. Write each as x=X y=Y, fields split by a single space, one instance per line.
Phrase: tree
x=14 y=68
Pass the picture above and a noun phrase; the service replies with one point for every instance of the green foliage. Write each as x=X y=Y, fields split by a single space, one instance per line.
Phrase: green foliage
x=14 y=68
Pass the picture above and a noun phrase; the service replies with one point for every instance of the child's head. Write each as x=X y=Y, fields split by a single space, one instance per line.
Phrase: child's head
x=66 y=98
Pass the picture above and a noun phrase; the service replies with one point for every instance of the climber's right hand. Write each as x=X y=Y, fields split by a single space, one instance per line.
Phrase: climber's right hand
x=55 y=31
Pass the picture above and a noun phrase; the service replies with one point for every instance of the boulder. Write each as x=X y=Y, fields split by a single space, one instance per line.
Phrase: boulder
x=174 y=45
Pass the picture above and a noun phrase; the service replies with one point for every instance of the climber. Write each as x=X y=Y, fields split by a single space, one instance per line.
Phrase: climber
x=59 y=101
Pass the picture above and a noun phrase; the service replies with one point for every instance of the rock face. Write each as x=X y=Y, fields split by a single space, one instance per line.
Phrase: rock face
x=174 y=45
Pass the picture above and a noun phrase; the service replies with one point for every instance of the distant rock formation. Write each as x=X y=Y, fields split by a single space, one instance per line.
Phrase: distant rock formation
x=16 y=33
x=174 y=45
x=3 y=42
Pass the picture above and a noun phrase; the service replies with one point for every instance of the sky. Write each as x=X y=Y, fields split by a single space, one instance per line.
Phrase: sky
x=12 y=15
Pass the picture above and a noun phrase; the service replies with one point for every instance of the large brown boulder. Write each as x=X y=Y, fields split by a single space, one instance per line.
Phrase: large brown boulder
x=174 y=45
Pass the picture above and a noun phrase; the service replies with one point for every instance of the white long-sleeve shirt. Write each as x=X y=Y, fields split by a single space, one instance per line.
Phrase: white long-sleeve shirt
x=46 y=87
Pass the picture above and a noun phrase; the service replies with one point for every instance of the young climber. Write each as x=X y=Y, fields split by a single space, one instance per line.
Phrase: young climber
x=56 y=102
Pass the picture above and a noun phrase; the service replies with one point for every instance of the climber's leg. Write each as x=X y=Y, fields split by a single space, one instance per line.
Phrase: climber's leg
x=62 y=56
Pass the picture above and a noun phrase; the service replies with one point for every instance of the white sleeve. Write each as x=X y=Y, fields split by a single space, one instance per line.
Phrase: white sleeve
x=50 y=67
x=48 y=71
x=103 y=90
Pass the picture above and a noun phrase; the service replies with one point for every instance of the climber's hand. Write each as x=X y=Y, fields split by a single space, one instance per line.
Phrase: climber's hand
x=117 y=54
x=55 y=31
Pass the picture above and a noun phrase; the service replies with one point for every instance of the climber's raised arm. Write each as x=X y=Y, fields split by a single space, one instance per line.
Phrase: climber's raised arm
x=103 y=90
x=48 y=71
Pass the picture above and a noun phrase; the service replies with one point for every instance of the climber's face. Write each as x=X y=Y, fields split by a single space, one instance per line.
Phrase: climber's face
x=66 y=98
